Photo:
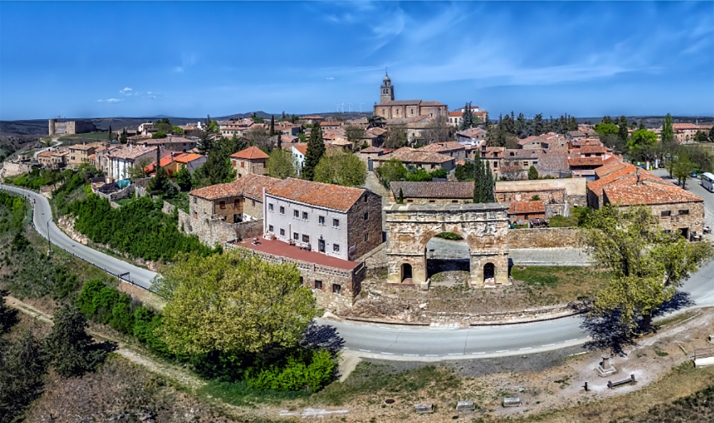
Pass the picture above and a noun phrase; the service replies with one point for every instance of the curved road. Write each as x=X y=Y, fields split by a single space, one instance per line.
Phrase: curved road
x=399 y=342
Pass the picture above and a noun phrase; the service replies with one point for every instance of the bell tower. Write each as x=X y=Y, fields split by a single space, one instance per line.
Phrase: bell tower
x=387 y=90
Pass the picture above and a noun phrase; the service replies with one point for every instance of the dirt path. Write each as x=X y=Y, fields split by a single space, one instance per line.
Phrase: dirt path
x=168 y=371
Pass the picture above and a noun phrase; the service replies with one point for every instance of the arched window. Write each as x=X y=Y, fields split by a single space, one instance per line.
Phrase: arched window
x=489 y=271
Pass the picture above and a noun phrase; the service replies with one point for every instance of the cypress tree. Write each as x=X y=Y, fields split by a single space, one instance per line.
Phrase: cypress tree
x=272 y=125
x=109 y=136
x=280 y=142
x=315 y=151
x=467 y=117
x=401 y=196
x=478 y=180
x=490 y=185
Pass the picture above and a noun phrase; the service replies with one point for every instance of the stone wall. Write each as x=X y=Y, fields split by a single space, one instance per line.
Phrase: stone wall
x=13 y=169
x=682 y=216
x=328 y=278
x=543 y=238
x=118 y=195
x=364 y=234
x=168 y=208
x=215 y=231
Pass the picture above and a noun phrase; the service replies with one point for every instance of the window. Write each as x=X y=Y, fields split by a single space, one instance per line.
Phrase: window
x=304 y=215
x=666 y=213
x=366 y=237
x=365 y=198
x=321 y=220
x=335 y=223
x=222 y=204
x=236 y=202
x=282 y=232
x=195 y=215
x=683 y=212
x=318 y=284
x=270 y=228
x=432 y=201
x=336 y=288
x=252 y=203
x=366 y=215
x=234 y=163
x=495 y=165
x=336 y=248
x=455 y=201
x=296 y=213
x=305 y=238
x=270 y=206
x=242 y=164
x=282 y=210
x=296 y=236
x=194 y=200
x=525 y=164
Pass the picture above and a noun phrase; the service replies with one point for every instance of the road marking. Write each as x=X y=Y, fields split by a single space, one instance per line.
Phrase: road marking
x=386 y=353
x=523 y=349
x=502 y=351
x=365 y=350
x=547 y=345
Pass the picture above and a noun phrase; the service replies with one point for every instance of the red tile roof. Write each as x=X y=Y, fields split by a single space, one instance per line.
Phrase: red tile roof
x=187 y=158
x=438 y=147
x=317 y=194
x=448 y=190
x=250 y=153
x=283 y=249
x=628 y=191
x=250 y=185
x=585 y=161
x=371 y=150
x=302 y=148
x=526 y=207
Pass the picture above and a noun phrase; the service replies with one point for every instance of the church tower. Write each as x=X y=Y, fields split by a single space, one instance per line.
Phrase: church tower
x=387 y=93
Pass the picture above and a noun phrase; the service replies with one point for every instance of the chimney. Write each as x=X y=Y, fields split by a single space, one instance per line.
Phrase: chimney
x=637 y=173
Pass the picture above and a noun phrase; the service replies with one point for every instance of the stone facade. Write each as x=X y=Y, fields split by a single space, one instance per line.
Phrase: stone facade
x=685 y=218
x=483 y=226
x=543 y=238
x=388 y=108
x=215 y=231
x=79 y=154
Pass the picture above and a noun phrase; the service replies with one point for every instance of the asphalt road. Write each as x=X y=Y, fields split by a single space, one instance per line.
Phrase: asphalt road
x=403 y=342
x=43 y=214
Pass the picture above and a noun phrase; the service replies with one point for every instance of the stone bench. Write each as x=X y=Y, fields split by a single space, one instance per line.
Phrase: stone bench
x=512 y=402
x=611 y=384
x=465 y=406
x=424 y=408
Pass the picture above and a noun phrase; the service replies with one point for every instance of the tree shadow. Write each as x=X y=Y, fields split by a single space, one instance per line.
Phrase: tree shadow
x=609 y=333
x=322 y=336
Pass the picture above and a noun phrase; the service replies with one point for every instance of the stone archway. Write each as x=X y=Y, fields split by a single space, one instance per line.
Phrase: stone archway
x=406 y=273
x=483 y=226
x=489 y=271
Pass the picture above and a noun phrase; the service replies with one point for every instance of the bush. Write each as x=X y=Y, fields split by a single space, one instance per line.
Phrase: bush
x=450 y=235
x=303 y=370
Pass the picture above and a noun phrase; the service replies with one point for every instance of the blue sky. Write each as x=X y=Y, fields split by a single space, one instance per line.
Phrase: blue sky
x=94 y=59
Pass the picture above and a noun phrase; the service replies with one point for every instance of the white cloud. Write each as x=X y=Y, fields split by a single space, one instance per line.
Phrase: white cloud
x=329 y=78
x=109 y=100
x=126 y=91
x=186 y=61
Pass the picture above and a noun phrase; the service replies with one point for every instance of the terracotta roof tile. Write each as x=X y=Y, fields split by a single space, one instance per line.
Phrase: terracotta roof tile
x=302 y=148
x=317 y=194
x=438 y=147
x=250 y=185
x=585 y=161
x=630 y=192
x=250 y=153
x=187 y=158
x=526 y=207
x=409 y=155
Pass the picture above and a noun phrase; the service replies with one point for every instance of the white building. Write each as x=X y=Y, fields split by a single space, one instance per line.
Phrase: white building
x=119 y=161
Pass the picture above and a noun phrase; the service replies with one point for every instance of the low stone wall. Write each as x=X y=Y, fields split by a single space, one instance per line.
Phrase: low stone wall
x=349 y=280
x=167 y=207
x=543 y=238
x=118 y=195
x=216 y=231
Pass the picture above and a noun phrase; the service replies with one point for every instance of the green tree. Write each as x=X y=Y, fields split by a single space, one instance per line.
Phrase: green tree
x=8 y=316
x=400 y=199
x=701 y=136
x=138 y=171
x=272 y=125
x=160 y=184
x=682 y=167
x=281 y=164
x=711 y=134
x=183 y=178
x=667 y=129
x=158 y=135
x=490 y=185
x=645 y=264
x=467 y=117
x=607 y=129
x=376 y=122
x=396 y=137
x=479 y=181
x=123 y=136
x=532 y=173
x=233 y=303
x=177 y=130
x=315 y=151
x=355 y=135
x=341 y=168
x=22 y=367
x=622 y=131
x=390 y=171
x=279 y=142
x=110 y=135
x=640 y=143
x=71 y=349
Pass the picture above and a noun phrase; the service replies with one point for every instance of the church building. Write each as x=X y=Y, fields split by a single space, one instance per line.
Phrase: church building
x=389 y=108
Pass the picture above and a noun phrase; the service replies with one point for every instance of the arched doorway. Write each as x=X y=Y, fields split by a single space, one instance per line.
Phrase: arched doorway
x=489 y=271
x=406 y=272
x=448 y=259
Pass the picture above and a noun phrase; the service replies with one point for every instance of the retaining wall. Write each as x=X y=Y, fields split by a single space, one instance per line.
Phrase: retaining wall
x=543 y=238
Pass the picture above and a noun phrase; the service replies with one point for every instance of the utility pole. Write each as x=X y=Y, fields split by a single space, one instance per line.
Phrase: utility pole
x=49 y=243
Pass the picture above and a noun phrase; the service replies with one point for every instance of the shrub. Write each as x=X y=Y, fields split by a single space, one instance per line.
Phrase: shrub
x=449 y=235
x=302 y=370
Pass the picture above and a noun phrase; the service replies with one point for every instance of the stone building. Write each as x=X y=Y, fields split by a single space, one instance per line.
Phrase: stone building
x=172 y=143
x=426 y=160
x=389 y=108
x=448 y=148
x=217 y=212
x=432 y=192
x=69 y=127
x=570 y=191
x=79 y=154
x=483 y=226
x=120 y=160
x=337 y=221
x=520 y=212
x=624 y=185
x=250 y=160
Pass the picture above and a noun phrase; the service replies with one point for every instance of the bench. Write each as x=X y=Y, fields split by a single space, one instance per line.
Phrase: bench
x=611 y=384
x=465 y=406
x=512 y=402
x=424 y=408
